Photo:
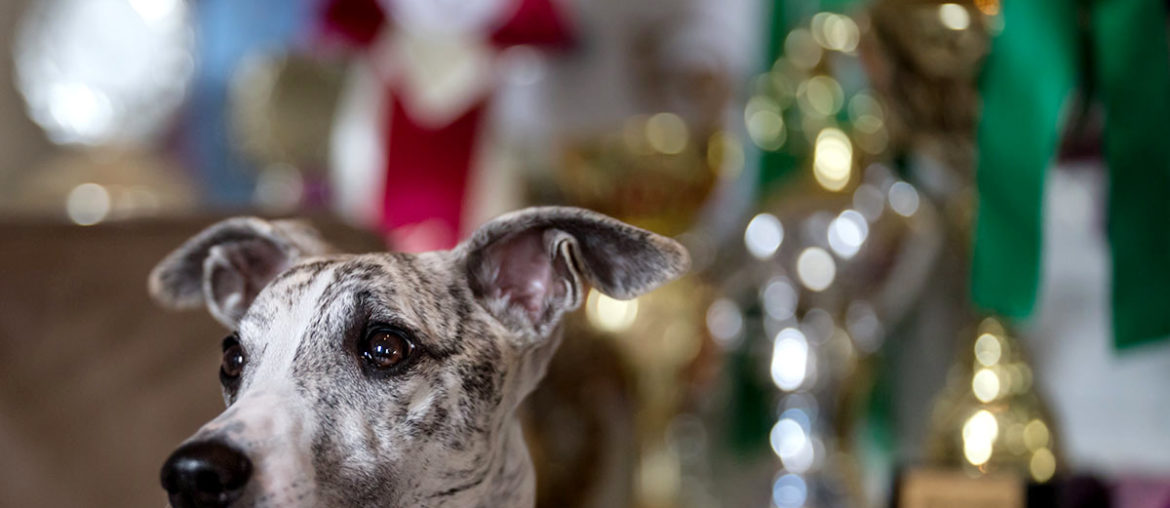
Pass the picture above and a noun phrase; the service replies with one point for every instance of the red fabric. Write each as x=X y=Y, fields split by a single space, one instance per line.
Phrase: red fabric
x=427 y=169
x=356 y=22
x=534 y=22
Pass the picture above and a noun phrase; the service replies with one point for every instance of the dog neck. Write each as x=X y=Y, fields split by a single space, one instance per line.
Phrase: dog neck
x=509 y=482
x=512 y=480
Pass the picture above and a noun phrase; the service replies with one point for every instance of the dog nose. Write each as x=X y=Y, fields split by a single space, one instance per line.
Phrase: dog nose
x=205 y=474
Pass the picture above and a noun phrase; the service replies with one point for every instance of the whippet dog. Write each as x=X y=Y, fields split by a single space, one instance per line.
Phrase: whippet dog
x=387 y=379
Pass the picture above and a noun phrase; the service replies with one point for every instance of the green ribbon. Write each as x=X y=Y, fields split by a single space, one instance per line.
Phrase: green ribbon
x=1034 y=64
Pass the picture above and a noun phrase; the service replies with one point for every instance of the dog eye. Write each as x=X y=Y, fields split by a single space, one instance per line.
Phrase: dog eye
x=385 y=349
x=233 y=360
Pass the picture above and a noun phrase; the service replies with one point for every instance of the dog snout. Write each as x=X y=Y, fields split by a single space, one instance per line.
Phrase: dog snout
x=204 y=474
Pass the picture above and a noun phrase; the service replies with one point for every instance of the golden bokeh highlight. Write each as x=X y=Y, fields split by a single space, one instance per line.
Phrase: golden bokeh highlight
x=835 y=32
x=667 y=133
x=820 y=96
x=954 y=16
x=985 y=385
x=764 y=122
x=610 y=314
x=979 y=434
x=832 y=159
x=988 y=349
x=802 y=49
x=988 y=420
x=1036 y=435
x=1042 y=466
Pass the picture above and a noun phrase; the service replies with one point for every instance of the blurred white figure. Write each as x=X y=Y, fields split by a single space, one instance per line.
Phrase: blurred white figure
x=1112 y=405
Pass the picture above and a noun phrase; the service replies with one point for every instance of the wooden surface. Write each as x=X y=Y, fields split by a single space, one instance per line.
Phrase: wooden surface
x=97 y=384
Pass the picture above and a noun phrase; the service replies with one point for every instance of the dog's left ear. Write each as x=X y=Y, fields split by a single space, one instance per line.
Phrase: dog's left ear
x=227 y=264
x=529 y=267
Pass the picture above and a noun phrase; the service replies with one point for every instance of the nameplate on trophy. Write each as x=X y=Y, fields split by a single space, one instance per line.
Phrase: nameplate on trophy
x=935 y=488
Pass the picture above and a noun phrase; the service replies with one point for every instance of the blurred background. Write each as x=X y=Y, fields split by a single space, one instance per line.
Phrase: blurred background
x=930 y=238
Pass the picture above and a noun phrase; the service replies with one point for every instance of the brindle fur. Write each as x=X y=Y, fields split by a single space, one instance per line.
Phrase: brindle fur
x=319 y=429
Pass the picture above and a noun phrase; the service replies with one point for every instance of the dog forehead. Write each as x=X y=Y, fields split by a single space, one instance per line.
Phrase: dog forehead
x=288 y=294
x=421 y=290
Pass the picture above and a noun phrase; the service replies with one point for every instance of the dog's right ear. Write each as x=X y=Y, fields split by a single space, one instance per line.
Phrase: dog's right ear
x=226 y=265
x=529 y=267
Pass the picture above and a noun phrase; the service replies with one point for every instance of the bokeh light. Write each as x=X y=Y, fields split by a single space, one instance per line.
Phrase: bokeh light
x=985 y=385
x=87 y=204
x=667 y=133
x=1035 y=435
x=779 y=298
x=836 y=32
x=979 y=434
x=820 y=96
x=903 y=199
x=1042 y=465
x=847 y=233
x=610 y=314
x=763 y=236
x=954 y=16
x=988 y=349
x=816 y=268
x=789 y=491
x=833 y=159
x=802 y=49
x=96 y=71
x=790 y=357
x=725 y=322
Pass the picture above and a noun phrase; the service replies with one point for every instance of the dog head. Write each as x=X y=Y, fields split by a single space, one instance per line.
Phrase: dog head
x=387 y=379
